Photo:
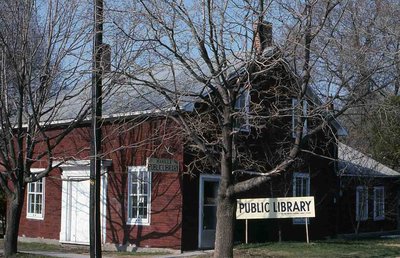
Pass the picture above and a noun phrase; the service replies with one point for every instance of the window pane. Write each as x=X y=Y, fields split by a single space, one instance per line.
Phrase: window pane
x=210 y=192
x=241 y=118
x=362 y=203
x=38 y=198
x=301 y=187
x=144 y=212
x=304 y=185
x=38 y=209
x=134 y=212
x=32 y=208
x=134 y=188
x=31 y=198
x=210 y=220
x=134 y=177
x=31 y=203
x=35 y=199
x=141 y=212
x=240 y=101
x=379 y=203
x=134 y=201
x=298 y=186
x=144 y=176
x=145 y=190
x=139 y=194
x=140 y=176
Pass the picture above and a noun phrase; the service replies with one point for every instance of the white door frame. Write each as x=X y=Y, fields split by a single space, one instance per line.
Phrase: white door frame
x=203 y=178
x=76 y=169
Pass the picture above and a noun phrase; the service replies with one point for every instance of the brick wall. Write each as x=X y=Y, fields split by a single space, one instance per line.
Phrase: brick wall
x=126 y=145
x=49 y=226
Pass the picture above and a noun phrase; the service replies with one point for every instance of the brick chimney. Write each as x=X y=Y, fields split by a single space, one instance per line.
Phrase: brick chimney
x=262 y=36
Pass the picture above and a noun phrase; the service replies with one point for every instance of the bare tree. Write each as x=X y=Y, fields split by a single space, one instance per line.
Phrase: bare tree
x=366 y=55
x=44 y=48
x=382 y=131
x=219 y=55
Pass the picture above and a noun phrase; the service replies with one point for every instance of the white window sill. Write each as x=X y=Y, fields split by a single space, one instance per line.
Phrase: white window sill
x=35 y=217
x=138 y=222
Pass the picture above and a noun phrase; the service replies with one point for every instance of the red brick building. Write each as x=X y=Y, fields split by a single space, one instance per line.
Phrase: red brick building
x=57 y=207
x=171 y=210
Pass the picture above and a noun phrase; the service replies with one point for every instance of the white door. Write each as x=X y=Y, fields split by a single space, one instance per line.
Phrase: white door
x=75 y=203
x=207 y=210
x=79 y=210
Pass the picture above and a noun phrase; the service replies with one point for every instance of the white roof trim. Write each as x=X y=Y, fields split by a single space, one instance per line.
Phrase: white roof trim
x=115 y=116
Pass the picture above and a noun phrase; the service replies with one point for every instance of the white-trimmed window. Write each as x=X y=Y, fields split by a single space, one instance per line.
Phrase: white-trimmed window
x=294 y=117
x=139 y=196
x=242 y=107
x=361 y=203
x=301 y=187
x=379 y=203
x=35 y=199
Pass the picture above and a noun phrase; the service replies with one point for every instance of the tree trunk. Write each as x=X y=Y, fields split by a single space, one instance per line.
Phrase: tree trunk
x=225 y=227
x=14 y=208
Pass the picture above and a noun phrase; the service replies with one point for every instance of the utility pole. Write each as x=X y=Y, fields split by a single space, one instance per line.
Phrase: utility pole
x=95 y=147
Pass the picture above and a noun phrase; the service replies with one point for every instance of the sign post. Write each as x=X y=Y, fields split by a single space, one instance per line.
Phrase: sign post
x=247 y=231
x=276 y=208
x=308 y=239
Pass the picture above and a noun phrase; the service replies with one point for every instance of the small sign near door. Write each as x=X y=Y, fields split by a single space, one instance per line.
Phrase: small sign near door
x=162 y=165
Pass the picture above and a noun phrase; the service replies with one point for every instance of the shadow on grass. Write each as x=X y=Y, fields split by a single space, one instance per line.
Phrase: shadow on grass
x=26 y=255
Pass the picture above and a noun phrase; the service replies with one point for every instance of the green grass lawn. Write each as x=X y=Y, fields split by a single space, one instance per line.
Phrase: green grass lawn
x=25 y=247
x=332 y=248
x=324 y=249
x=23 y=255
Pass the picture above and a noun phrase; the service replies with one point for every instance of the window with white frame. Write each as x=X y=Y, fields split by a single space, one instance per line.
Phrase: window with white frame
x=301 y=187
x=361 y=203
x=242 y=107
x=379 y=203
x=139 y=191
x=35 y=197
x=295 y=117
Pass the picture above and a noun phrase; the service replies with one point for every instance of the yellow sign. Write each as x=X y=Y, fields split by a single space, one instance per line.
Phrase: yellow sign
x=276 y=208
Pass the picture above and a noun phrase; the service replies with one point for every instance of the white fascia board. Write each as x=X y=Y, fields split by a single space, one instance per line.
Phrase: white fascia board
x=119 y=115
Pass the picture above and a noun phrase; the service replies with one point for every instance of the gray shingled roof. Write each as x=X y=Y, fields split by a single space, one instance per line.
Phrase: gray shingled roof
x=354 y=163
x=125 y=97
